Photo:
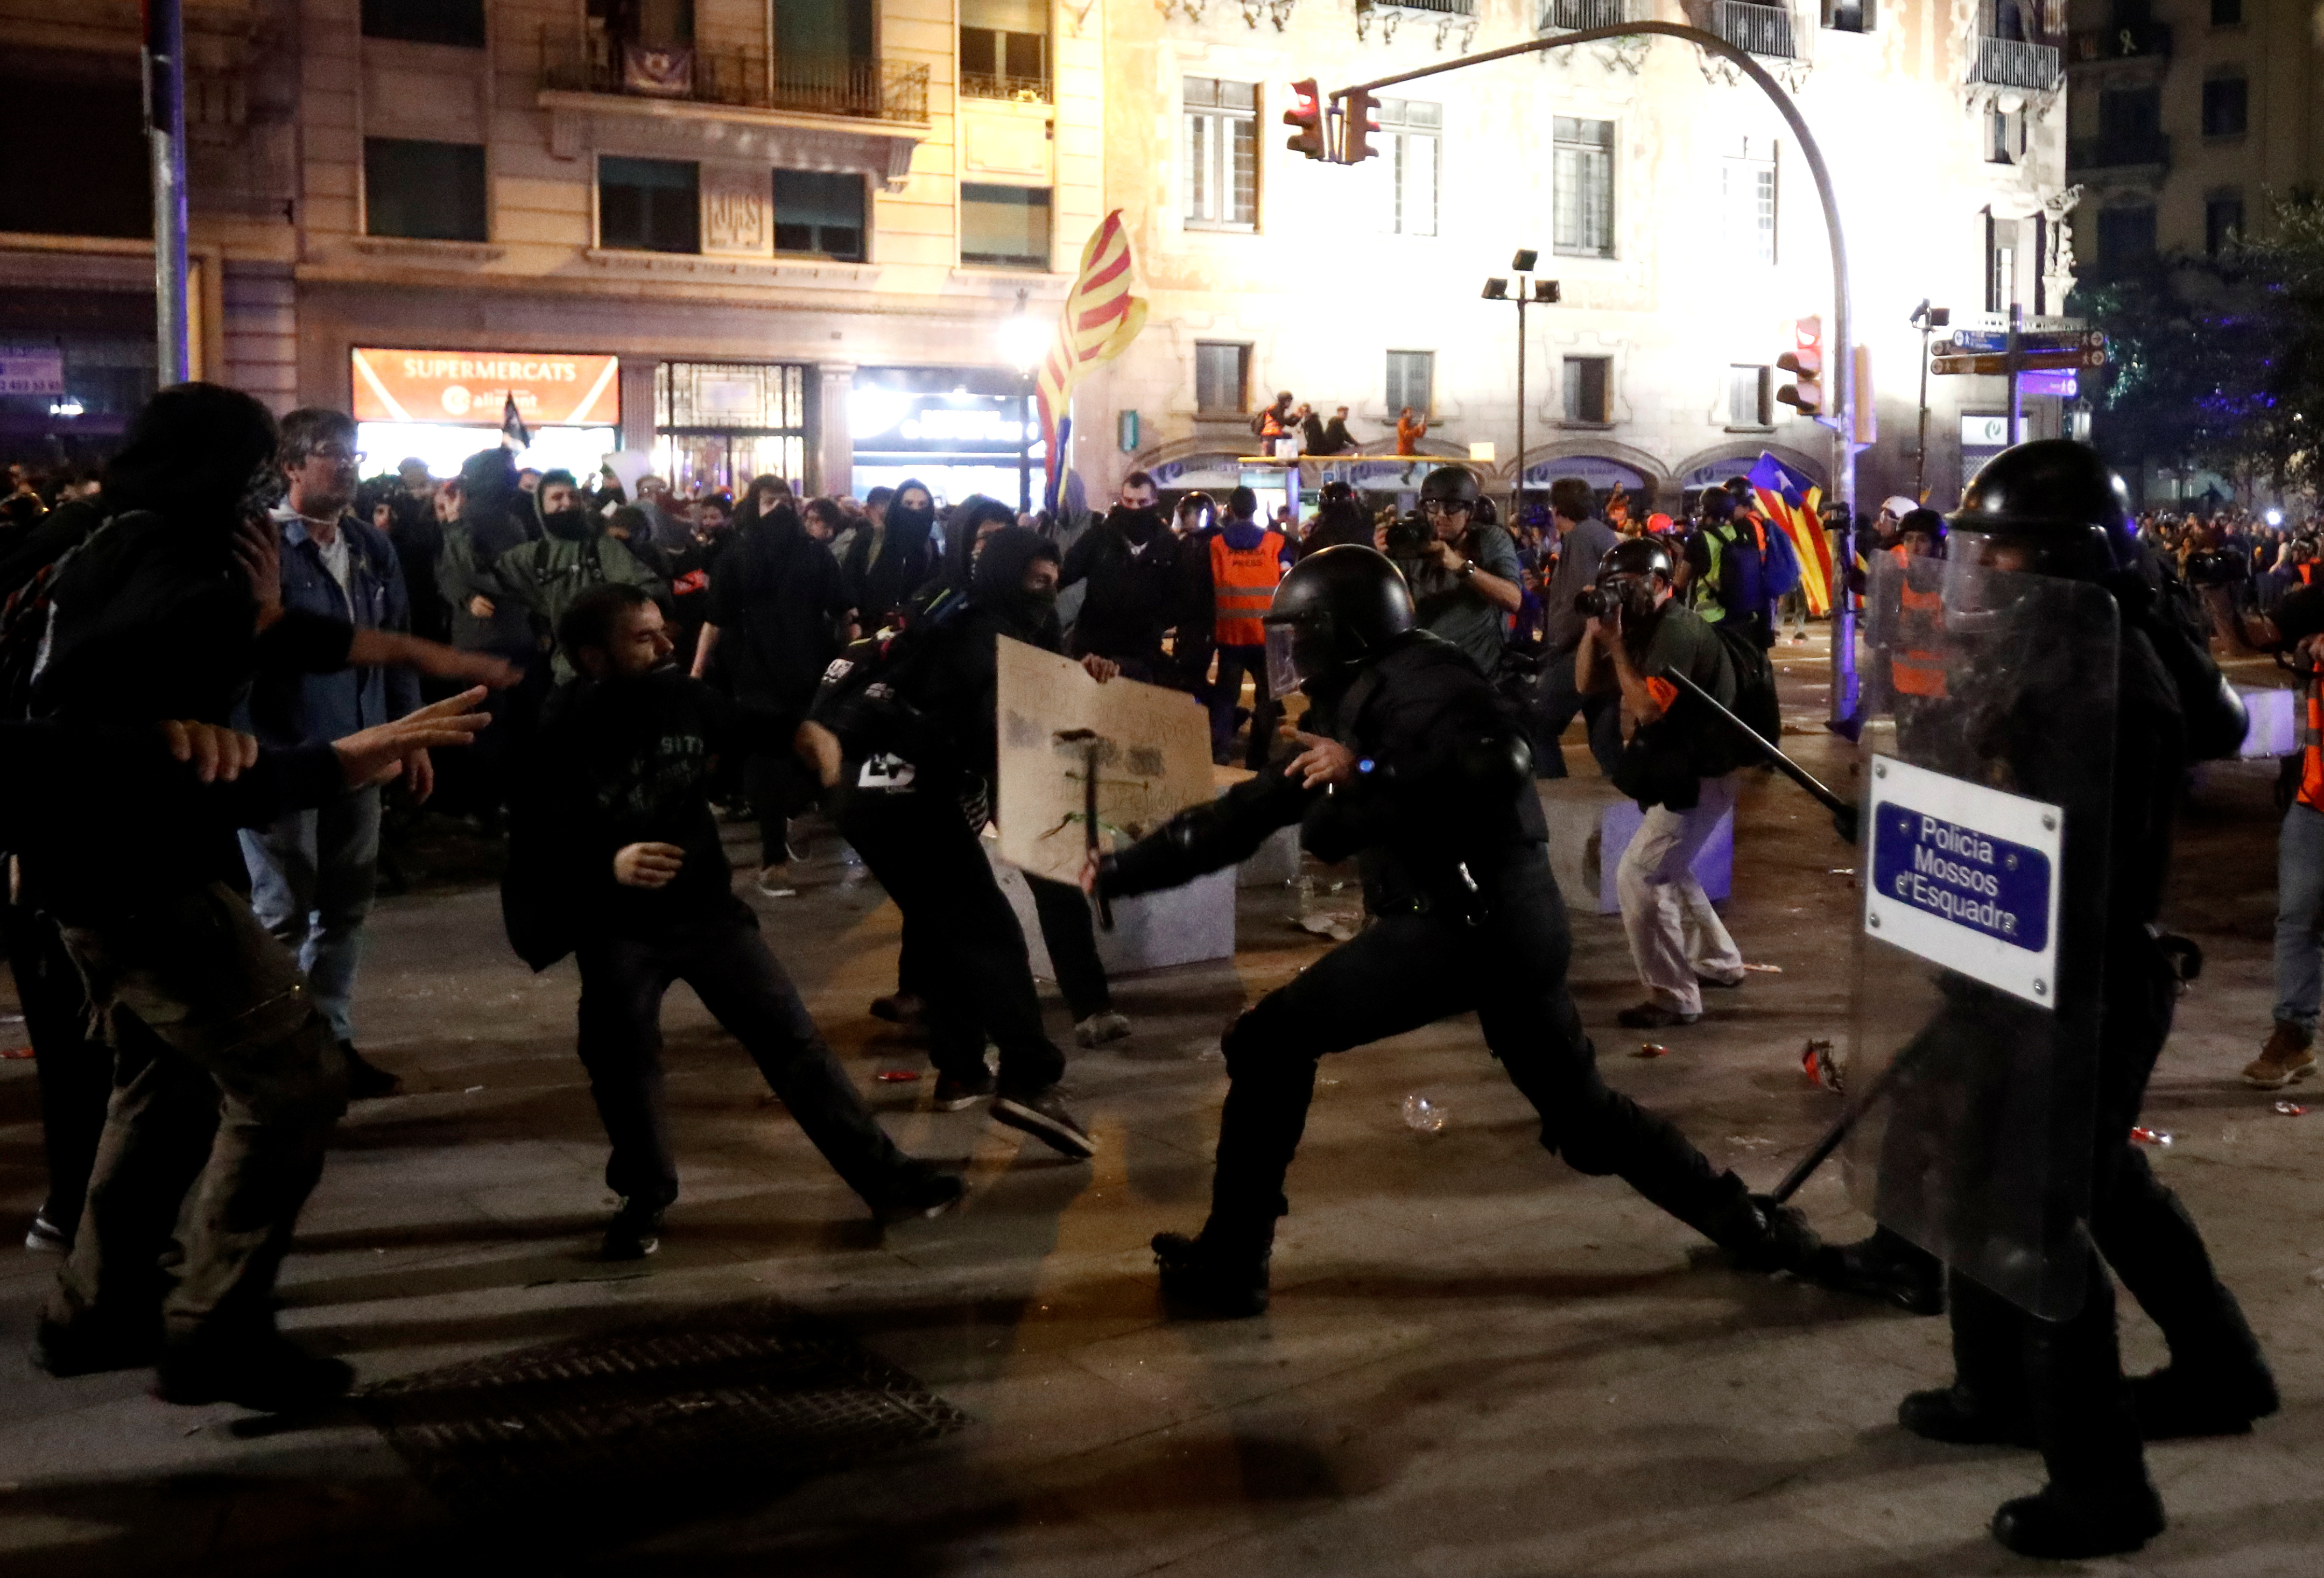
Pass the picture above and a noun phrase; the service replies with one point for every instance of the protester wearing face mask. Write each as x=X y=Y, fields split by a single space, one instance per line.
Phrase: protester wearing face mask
x=575 y=553
x=1139 y=589
x=884 y=568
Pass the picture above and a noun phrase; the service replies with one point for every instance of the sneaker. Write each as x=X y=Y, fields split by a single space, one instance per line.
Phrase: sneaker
x=924 y=1192
x=957 y=1091
x=2177 y=1403
x=899 y=1008
x=1653 y=1016
x=1201 y=1280
x=1100 y=1028
x=265 y=1371
x=89 y=1347
x=366 y=1080
x=1718 y=984
x=1953 y=1413
x=2058 y=1527
x=634 y=1233
x=1042 y=1114
x=2287 y=1057
x=45 y=1235
x=775 y=883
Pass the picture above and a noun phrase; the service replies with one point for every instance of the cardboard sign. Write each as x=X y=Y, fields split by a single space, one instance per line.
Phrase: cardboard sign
x=1965 y=877
x=1150 y=747
x=472 y=388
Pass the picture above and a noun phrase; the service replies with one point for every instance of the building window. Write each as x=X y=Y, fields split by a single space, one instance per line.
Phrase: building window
x=428 y=191
x=1750 y=396
x=1004 y=49
x=1004 y=226
x=648 y=205
x=1221 y=374
x=1409 y=150
x=1581 y=188
x=1222 y=181
x=2004 y=137
x=95 y=181
x=2223 y=222
x=1850 y=16
x=1748 y=196
x=2126 y=237
x=426 y=22
x=1589 y=389
x=1412 y=381
x=819 y=212
x=2000 y=263
x=2227 y=102
x=2227 y=12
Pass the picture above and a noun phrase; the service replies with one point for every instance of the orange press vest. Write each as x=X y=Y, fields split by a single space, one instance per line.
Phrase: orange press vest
x=1919 y=670
x=2311 y=758
x=1243 y=582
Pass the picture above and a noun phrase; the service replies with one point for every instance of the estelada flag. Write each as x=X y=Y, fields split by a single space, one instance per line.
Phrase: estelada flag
x=1097 y=323
x=513 y=431
x=1789 y=499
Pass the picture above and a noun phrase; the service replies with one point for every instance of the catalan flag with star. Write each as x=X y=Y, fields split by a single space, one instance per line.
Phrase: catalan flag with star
x=1788 y=498
x=1099 y=320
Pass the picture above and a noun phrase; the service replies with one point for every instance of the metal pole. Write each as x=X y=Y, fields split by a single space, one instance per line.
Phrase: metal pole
x=2016 y=406
x=1841 y=363
x=1025 y=448
x=1518 y=513
x=1921 y=467
x=165 y=136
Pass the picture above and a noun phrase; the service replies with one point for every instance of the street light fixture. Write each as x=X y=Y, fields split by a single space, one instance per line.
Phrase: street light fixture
x=1928 y=320
x=1530 y=291
x=1022 y=340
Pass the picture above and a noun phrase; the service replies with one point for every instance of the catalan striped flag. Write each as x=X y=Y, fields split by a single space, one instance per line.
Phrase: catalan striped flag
x=1789 y=499
x=1099 y=319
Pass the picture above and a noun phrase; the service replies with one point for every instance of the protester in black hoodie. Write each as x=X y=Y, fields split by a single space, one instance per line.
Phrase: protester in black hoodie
x=1138 y=592
x=886 y=565
x=614 y=856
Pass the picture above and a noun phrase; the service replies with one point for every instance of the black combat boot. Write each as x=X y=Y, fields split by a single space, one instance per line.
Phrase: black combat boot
x=2058 y=1526
x=2183 y=1400
x=1204 y=1278
x=1886 y=1267
x=258 y=1367
x=1989 y=1403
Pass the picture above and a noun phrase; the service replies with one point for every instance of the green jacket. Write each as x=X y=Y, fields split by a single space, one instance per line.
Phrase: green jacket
x=546 y=575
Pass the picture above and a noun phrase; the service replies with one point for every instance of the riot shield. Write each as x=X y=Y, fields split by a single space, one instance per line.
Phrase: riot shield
x=1987 y=767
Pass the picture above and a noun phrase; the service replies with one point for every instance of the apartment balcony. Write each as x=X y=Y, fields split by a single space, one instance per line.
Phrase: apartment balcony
x=2101 y=46
x=1009 y=89
x=1582 y=15
x=2144 y=153
x=605 y=94
x=1447 y=19
x=2015 y=63
x=1769 y=31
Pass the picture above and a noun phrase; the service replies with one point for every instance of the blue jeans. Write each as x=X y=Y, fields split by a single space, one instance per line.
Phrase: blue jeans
x=1558 y=701
x=2299 y=916
x=311 y=878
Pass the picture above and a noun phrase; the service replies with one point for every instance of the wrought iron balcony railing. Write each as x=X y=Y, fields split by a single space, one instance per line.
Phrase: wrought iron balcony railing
x=991 y=85
x=2137 y=41
x=574 y=61
x=1581 y=16
x=2120 y=150
x=2015 y=63
x=1769 y=31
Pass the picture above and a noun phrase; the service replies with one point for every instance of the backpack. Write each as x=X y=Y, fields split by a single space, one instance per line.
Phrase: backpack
x=1782 y=571
x=1756 y=702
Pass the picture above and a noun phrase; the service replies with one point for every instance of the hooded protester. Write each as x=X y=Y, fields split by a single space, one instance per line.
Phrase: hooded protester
x=887 y=565
x=779 y=612
x=484 y=617
x=1139 y=590
x=574 y=553
x=975 y=519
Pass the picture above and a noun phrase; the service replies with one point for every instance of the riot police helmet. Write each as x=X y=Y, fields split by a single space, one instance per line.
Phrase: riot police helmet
x=1455 y=486
x=1339 y=608
x=2051 y=507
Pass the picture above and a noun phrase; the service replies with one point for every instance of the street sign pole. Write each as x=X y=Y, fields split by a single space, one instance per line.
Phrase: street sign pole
x=165 y=138
x=2016 y=369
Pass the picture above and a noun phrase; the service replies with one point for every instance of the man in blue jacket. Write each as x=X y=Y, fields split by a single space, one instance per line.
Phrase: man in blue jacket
x=312 y=872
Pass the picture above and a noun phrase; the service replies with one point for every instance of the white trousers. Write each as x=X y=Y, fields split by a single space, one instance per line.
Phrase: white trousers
x=1675 y=936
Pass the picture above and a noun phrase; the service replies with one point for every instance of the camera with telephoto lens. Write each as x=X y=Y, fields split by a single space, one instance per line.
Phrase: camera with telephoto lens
x=1597 y=602
x=1411 y=538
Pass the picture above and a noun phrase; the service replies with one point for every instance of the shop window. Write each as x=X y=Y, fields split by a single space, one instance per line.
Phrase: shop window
x=1004 y=49
x=2223 y=222
x=648 y=205
x=459 y=22
x=819 y=212
x=1412 y=381
x=426 y=192
x=1220 y=190
x=1589 y=389
x=1004 y=226
x=1222 y=375
x=92 y=182
x=1750 y=396
x=1747 y=198
x=2227 y=105
x=1581 y=188
x=719 y=424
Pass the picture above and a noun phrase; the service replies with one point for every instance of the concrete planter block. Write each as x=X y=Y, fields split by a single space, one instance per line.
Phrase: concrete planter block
x=1155 y=931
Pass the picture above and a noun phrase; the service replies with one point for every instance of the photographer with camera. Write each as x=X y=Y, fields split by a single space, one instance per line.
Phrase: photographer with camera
x=1462 y=570
x=1582 y=542
x=1677 y=762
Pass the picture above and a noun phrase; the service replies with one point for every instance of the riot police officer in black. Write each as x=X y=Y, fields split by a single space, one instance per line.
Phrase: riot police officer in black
x=2051 y=508
x=1417 y=767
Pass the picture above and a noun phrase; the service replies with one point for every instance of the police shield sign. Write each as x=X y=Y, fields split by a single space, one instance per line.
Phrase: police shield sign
x=1965 y=877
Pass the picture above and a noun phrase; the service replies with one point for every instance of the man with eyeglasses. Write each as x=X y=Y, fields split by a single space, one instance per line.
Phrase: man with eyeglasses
x=1463 y=571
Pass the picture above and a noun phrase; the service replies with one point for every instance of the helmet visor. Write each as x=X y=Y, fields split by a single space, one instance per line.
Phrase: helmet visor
x=1283 y=676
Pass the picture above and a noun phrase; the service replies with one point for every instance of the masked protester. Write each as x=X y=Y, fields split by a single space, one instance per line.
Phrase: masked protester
x=574 y=553
x=903 y=739
x=1138 y=589
x=893 y=558
x=1416 y=767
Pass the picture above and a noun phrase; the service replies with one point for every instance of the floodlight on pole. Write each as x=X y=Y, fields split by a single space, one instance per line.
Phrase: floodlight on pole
x=1496 y=290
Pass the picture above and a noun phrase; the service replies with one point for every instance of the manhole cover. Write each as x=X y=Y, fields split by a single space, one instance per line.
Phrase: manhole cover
x=681 y=1412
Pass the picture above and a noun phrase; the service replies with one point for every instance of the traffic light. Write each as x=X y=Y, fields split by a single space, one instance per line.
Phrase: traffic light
x=1361 y=120
x=1804 y=393
x=1307 y=118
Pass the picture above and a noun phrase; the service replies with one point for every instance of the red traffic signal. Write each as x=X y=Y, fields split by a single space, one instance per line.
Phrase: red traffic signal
x=1361 y=111
x=1804 y=395
x=1306 y=118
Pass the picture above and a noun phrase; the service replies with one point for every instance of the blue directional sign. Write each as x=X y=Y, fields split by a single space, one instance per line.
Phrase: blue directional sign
x=1965 y=876
x=1988 y=342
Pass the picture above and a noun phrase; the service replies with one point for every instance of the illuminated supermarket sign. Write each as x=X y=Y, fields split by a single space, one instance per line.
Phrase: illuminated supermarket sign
x=473 y=388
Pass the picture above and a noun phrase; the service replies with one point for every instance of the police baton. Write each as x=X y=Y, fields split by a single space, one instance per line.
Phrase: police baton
x=1776 y=758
